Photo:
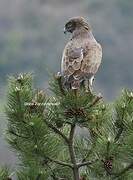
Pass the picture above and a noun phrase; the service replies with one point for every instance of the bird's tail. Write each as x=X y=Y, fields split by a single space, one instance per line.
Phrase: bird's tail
x=71 y=82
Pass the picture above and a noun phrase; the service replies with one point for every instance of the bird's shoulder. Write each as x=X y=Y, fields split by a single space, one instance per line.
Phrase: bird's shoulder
x=92 y=47
x=72 y=44
x=73 y=49
x=88 y=44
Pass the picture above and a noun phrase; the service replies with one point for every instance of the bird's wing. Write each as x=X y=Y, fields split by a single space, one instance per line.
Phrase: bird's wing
x=92 y=59
x=71 y=61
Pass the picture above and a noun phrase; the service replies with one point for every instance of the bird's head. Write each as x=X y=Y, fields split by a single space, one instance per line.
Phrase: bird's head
x=75 y=24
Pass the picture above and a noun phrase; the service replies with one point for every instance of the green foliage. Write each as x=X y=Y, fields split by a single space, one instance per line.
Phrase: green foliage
x=4 y=173
x=43 y=132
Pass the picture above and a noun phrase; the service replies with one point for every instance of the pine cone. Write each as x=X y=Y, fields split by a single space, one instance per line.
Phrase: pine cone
x=79 y=112
x=108 y=164
x=32 y=107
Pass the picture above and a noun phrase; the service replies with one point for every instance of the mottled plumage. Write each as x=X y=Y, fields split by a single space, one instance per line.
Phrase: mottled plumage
x=82 y=54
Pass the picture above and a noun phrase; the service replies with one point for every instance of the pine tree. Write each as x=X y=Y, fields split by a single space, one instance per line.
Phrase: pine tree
x=43 y=131
x=4 y=173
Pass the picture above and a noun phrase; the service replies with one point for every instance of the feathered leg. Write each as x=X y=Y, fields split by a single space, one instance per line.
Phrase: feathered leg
x=75 y=86
x=88 y=84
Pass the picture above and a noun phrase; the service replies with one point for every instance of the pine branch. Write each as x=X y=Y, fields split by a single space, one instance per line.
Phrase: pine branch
x=60 y=162
x=95 y=101
x=120 y=128
x=130 y=166
x=53 y=175
x=72 y=153
x=119 y=134
x=108 y=149
x=86 y=163
x=38 y=177
x=20 y=113
x=71 y=148
x=18 y=135
x=89 y=152
x=57 y=131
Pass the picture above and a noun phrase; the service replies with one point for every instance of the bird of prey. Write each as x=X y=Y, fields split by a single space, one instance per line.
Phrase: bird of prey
x=81 y=56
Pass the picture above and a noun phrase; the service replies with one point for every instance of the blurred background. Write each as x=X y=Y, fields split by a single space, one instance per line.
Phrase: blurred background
x=32 y=39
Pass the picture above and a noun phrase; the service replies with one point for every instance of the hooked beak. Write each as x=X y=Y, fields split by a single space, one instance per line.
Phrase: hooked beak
x=65 y=31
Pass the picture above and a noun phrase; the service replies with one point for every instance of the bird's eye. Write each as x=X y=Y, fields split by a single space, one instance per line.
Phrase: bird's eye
x=69 y=25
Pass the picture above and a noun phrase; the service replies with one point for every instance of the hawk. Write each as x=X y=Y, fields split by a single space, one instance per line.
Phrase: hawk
x=81 y=56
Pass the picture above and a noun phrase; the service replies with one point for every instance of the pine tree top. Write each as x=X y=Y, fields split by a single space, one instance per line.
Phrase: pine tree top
x=47 y=132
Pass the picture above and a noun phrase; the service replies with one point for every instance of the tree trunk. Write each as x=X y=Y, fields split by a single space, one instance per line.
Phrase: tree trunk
x=76 y=175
